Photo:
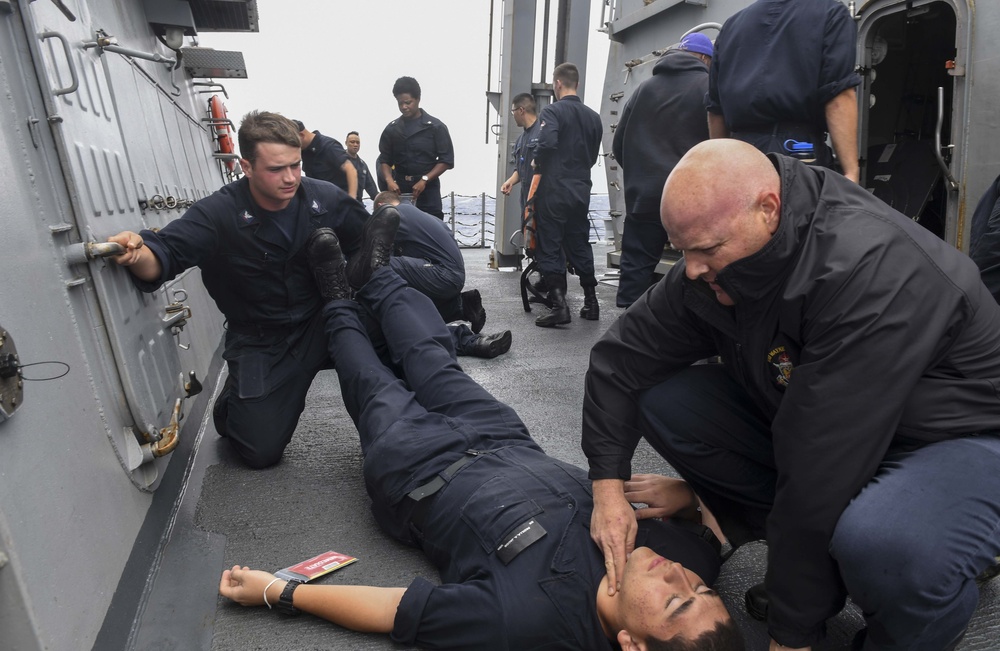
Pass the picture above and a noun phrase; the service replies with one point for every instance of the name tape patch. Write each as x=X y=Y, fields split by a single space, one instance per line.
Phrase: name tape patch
x=523 y=536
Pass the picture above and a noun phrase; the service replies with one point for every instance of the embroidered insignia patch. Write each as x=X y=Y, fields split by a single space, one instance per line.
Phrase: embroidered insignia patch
x=779 y=359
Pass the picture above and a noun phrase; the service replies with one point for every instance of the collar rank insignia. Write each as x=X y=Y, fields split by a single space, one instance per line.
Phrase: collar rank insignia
x=247 y=217
x=316 y=207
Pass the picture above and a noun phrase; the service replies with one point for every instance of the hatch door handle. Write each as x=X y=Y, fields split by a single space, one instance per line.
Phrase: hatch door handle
x=69 y=62
x=952 y=183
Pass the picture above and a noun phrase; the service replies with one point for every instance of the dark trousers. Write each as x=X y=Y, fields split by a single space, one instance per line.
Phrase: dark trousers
x=265 y=393
x=441 y=283
x=642 y=247
x=564 y=232
x=410 y=430
x=909 y=545
x=429 y=200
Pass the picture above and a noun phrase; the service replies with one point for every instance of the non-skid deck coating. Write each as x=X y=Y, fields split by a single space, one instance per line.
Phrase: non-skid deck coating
x=314 y=500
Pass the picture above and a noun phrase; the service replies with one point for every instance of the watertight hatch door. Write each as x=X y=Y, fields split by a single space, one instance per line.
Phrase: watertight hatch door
x=93 y=154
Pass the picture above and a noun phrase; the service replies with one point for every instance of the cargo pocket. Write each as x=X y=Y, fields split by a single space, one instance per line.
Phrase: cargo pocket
x=494 y=509
x=252 y=371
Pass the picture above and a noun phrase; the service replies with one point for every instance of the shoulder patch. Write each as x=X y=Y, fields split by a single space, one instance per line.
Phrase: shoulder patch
x=779 y=359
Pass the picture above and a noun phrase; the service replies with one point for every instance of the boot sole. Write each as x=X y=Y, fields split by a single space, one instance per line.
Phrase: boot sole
x=553 y=324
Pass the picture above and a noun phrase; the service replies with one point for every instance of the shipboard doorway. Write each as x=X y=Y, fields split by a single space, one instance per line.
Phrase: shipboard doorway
x=910 y=107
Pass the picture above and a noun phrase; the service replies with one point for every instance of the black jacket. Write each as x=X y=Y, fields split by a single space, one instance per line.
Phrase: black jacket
x=985 y=241
x=661 y=121
x=892 y=339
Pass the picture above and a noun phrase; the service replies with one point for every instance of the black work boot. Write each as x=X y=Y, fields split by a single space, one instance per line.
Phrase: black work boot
x=990 y=572
x=590 y=310
x=490 y=346
x=559 y=312
x=756 y=602
x=376 y=246
x=220 y=411
x=328 y=264
x=472 y=309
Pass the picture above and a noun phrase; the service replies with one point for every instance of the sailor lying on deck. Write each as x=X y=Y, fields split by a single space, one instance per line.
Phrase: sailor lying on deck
x=454 y=471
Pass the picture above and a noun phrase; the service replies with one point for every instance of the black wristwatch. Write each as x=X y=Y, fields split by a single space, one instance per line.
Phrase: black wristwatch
x=284 y=605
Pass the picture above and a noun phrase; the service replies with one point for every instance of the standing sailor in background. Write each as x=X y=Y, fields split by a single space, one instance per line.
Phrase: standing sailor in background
x=365 y=181
x=415 y=150
x=783 y=76
x=569 y=141
x=663 y=118
x=247 y=238
x=525 y=113
x=324 y=158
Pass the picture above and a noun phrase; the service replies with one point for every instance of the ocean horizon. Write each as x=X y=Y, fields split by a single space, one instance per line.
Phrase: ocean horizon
x=472 y=218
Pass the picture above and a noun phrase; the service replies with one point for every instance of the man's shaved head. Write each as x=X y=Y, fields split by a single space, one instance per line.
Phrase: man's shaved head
x=717 y=177
x=721 y=203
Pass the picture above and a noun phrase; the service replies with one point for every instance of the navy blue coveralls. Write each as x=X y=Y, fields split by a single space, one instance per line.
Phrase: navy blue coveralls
x=777 y=64
x=274 y=343
x=427 y=257
x=365 y=181
x=412 y=151
x=661 y=121
x=324 y=159
x=499 y=590
x=523 y=155
x=569 y=141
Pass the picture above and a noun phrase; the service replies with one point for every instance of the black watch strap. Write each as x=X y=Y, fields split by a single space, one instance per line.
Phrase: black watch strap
x=284 y=604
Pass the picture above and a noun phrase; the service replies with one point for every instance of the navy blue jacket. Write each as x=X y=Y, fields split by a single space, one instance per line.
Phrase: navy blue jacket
x=661 y=121
x=418 y=153
x=569 y=141
x=781 y=61
x=245 y=265
x=524 y=154
x=424 y=236
x=324 y=159
x=365 y=181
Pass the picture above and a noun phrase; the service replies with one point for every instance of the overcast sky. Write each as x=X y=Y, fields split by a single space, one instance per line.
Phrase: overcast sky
x=332 y=64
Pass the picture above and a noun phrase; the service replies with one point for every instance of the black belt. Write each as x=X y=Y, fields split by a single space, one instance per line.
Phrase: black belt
x=774 y=128
x=421 y=494
x=255 y=329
